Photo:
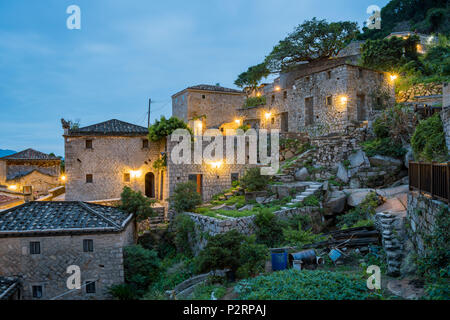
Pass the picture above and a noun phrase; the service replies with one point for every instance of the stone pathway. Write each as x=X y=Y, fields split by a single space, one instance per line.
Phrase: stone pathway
x=313 y=188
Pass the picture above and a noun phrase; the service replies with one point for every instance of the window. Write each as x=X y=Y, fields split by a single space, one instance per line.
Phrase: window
x=360 y=73
x=309 y=111
x=273 y=120
x=234 y=177
x=88 y=245
x=126 y=177
x=203 y=96
x=90 y=286
x=273 y=98
x=329 y=100
x=37 y=291
x=307 y=79
x=145 y=143
x=27 y=189
x=329 y=75
x=89 y=178
x=88 y=144
x=35 y=247
x=285 y=95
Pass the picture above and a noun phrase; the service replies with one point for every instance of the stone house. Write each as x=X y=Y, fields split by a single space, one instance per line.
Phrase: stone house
x=206 y=106
x=40 y=240
x=103 y=158
x=322 y=98
x=30 y=171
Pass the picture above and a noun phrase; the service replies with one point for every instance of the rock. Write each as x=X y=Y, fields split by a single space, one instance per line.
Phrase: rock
x=289 y=154
x=383 y=161
x=260 y=200
x=391 y=205
x=358 y=159
x=393 y=192
x=354 y=183
x=247 y=207
x=224 y=207
x=336 y=202
x=270 y=199
x=356 y=196
x=409 y=156
x=342 y=173
x=302 y=174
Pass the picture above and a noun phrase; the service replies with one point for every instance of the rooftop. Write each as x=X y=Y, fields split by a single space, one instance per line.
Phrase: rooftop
x=24 y=173
x=210 y=88
x=66 y=217
x=30 y=154
x=7 y=287
x=112 y=127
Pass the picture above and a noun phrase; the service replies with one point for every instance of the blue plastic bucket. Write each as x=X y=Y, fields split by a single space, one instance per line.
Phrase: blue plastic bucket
x=279 y=259
x=335 y=254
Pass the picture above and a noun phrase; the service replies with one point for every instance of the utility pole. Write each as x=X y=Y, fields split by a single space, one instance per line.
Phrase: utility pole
x=149 y=105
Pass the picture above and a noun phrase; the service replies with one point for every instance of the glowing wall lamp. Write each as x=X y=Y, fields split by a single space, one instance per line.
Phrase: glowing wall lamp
x=216 y=164
x=344 y=99
x=135 y=173
x=63 y=178
x=237 y=121
x=277 y=88
x=268 y=115
x=393 y=77
x=12 y=187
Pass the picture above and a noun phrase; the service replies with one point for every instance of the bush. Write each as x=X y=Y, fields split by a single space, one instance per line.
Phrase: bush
x=164 y=127
x=358 y=216
x=252 y=258
x=137 y=204
x=184 y=234
x=254 y=181
x=269 y=230
x=185 y=197
x=141 y=268
x=255 y=101
x=428 y=141
x=304 y=285
x=299 y=237
x=383 y=147
x=122 y=292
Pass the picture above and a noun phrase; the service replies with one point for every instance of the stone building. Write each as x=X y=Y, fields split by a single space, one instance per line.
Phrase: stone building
x=103 y=158
x=30 y=171
x=206 y=106
x=9 y=288
x=322 y=98
x=40 y=240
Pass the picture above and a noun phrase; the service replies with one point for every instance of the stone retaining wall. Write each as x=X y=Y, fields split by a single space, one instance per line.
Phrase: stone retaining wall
x=445 y=116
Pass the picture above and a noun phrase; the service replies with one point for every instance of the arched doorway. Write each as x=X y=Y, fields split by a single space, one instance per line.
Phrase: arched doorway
x=150 y=185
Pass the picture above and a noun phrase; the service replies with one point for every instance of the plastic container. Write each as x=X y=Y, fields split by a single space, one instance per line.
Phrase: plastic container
x=279 y=259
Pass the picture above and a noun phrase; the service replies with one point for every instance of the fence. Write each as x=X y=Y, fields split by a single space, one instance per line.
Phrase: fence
x=430 y=178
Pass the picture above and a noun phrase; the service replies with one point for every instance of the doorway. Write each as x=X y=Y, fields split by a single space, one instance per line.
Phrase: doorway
x=150 y=185
x=361 y=107
x=198 y=180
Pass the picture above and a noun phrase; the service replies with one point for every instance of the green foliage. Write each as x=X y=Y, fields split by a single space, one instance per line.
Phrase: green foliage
x=254 y=181
x=359 y=215
x=269 y=230
x=184 y=234
x=141 y=268
x=428 y=141
x=165 y=127
x=205 y=291
x=161 y=163
x=122 y=292
x=299 y=237
x=252 y=76
x=244 y=127
x=304 y=285
x=312 y=40
x=185 y=197
x=434 y=266
x=383 y=147
x=252 y=258
x=137 y=204
x=311 y=201
x=255 y=101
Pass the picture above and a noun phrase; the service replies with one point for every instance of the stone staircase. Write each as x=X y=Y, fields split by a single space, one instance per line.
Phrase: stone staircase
x=313 y=189
x=287 y=172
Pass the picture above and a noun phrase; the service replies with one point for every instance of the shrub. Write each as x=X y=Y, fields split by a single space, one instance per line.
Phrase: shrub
x=383 y=147
x=428 y=141
x=252 y=258
x=304 y=285
x=311 y=201
x=254 y=181
x=254 y=101
x=122 y=292
x=299 y=237
x=141 y=267
x=363 y=212
x=164 y=127
x=137 y=204
x=185 y=197
x=269 y=230
x=221 y=252
x=184 y=234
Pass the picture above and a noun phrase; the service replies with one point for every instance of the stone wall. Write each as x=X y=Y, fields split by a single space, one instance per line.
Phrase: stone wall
x=108 y=161
x=219 y=107
x=421 y=215
x=48 y=269
x=421 y=89
x=445 y=116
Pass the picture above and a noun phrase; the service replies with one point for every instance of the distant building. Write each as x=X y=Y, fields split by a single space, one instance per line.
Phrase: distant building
x=30 y=171
x=425 y=40
x=206 y=106
x=40 y=240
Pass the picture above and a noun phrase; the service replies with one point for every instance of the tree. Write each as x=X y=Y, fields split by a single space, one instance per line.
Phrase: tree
x=252 y=76
x=137 y=204
x=312 y=40
x=165 y=127
x=185 y=197
x=253 y=180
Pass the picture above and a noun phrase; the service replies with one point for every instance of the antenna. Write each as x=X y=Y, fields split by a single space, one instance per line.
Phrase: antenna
x=149 y=105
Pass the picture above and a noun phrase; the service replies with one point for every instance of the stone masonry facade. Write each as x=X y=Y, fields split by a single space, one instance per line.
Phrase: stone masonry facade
x=104 y=265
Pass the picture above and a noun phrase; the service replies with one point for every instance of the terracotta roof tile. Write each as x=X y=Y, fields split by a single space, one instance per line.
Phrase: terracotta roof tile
x=112 y=127
x=30 y=154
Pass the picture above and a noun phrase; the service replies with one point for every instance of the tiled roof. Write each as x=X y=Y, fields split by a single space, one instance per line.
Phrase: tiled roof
x=112 y=127
x=70 y=216
x=19 y=175
x=30 y=154
x=207 y=87
x=8 y=286
x=6 y=199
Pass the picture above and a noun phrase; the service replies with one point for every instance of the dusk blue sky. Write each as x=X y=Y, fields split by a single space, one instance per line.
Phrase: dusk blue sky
x=128 y=51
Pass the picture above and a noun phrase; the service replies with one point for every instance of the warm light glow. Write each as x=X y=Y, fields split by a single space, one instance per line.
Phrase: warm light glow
x=237 y=121
x=277 y=88
x=420 y=48
x=268 y=115
x=216 y=165
x=344 y=99
x=394 y=77
x=258 y=94
x=63 y=178
x=135 y=174
x=12 y=187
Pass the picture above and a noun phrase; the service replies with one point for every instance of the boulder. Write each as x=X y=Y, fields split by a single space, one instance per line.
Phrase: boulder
x=336 y=202
x=342 y=173
x=393 y=192
x=357 y=196
x=301 y=174
x=247 y=207
x=260 y=200
x=224 y=207
x=355 y=183
x=359 y=159
x=383 y=161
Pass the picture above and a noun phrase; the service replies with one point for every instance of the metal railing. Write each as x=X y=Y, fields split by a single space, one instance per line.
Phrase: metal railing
x=430 y=178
